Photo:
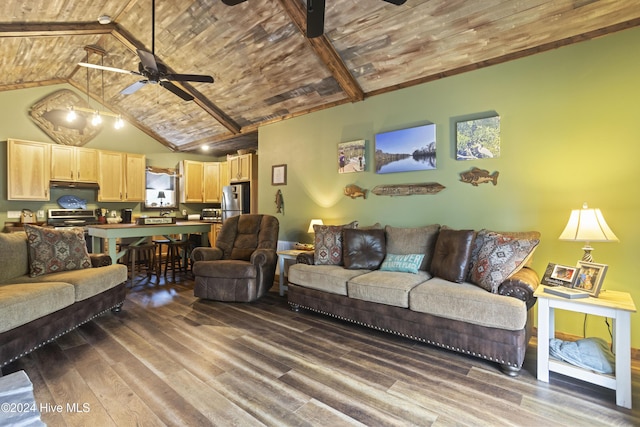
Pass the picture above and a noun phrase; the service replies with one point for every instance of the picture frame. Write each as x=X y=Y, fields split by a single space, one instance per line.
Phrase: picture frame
x=406 y=150
x=478 y=138
x=559 y=275
x=279 y=175
x=352 y=156
x=590 y=276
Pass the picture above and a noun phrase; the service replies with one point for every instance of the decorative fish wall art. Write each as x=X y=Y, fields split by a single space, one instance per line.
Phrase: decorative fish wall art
x=354 y=191
x=476 y=176
x=279 y=202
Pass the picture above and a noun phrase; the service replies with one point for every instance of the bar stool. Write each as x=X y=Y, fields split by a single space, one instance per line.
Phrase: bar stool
x=159 y=243
x=143 y=255
x=177 y=258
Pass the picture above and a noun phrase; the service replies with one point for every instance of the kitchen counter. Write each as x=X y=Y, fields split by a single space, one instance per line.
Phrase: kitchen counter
x=111 y=232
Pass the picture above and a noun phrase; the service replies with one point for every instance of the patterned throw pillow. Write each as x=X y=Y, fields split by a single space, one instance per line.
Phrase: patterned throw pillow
x=52 y=250
x=328 y=243
x=496 y=256
x=404 y=263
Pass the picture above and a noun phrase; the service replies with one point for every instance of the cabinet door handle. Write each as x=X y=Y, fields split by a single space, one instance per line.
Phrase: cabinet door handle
x=71 y=173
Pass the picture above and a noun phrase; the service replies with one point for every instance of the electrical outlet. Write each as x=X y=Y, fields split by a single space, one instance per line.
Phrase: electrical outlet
x=184 y=212
x=41 y=214
x=13 y=214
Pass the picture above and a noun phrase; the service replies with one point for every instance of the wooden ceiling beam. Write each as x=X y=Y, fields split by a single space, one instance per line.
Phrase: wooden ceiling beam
x=54 y=29
x=325 y=51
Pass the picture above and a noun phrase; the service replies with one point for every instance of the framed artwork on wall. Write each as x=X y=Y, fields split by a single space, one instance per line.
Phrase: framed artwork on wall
x=478 y=138
x=406 y=150
x=352 y=156
x=279 y=175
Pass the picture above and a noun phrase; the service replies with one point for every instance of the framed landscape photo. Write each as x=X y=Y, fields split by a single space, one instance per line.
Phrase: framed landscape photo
x=559 y=275
x=279 y=175
x=590 y=276
x=406 y=150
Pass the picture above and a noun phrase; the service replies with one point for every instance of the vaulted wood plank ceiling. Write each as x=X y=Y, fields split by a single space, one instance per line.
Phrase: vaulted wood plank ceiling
x=264 y=67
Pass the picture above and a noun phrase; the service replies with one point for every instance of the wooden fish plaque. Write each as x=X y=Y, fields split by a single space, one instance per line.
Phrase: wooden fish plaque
x=408 y=189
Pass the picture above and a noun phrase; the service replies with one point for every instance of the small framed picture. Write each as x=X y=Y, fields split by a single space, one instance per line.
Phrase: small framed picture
x=279 y=175
x=559 y=275
x=352 y=156
x=590 y=276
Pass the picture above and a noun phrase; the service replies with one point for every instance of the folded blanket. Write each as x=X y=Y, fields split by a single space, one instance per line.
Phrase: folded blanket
x=588 y=353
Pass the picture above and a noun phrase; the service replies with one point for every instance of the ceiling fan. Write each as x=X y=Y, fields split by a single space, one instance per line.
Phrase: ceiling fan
x=315 y=14
x=154 y=71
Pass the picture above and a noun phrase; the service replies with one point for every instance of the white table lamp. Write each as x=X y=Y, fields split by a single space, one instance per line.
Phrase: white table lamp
x=312 y=223
x=587 y=225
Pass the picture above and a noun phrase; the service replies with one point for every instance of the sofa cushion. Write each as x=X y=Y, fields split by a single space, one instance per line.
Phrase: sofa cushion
x=328 y=243
x=363 y=249
x=406 y=241
x=21 y=303
x=385 y=287
x=52 y=250
x=452 y=253
x=402 y=263
x=328 y=278
x=495 y=257
x=466 y=302
x=14 y=256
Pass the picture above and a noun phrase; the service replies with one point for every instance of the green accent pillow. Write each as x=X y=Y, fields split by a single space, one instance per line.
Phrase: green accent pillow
x=409 y=263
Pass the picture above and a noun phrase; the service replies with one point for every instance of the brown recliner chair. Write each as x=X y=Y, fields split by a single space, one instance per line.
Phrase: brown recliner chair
x=242 y=265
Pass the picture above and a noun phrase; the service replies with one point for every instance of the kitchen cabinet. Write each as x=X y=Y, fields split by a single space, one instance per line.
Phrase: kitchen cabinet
x=224 y=175
x=213 y=235
x=121 y=176
x=75 y=164
x=200 y=182
x=28 y=170
x=242 y=168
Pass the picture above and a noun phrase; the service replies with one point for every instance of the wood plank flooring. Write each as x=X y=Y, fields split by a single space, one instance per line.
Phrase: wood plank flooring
x=171 y=359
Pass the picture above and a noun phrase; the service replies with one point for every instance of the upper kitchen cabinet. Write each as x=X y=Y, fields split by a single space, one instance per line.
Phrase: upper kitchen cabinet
x=75 y=164
x=242 y=168
x=28 y=169
x=200 y=182
x=121 y=177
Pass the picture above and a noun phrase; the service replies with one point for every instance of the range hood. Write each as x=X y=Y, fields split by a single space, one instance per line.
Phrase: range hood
x=73 y=184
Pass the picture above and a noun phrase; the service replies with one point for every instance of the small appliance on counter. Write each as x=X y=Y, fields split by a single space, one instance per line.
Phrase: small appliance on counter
x=126 y=215
x=211 y=215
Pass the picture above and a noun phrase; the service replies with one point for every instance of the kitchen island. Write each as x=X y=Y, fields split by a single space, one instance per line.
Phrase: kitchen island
x=112 y=232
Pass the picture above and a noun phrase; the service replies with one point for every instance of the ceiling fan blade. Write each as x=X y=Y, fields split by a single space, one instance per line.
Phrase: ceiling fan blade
x=148 y=60
x=315 y=18
x=188 y=78
x=134 y=87
x=176 y=90
x=102 y=67
x=396 y=2
x=232 y=2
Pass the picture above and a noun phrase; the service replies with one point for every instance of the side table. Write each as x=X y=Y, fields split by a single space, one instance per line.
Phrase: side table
x=290 y=254
x=616 y=305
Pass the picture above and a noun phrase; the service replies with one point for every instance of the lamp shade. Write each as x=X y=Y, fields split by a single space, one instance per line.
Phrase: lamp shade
x=312 y=223
x=587 y=225
x=161 y=195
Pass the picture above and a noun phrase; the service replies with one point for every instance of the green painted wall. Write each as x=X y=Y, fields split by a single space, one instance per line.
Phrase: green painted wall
x=570 y=134
x=16 y=123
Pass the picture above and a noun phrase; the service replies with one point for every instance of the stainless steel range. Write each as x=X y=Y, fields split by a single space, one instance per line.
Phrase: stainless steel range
x=71 y=217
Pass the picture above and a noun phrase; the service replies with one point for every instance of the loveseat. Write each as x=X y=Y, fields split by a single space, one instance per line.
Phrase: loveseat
x=463 y=290
x=49 y=285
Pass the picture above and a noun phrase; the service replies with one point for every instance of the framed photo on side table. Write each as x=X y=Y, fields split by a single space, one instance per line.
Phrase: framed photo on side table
x=559 y=275
x=590 y=276
x=279 y=175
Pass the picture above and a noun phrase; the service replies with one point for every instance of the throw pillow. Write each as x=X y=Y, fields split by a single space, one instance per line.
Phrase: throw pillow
x=407 y=241
x=52 y=250
x=328 y=243
x=452 y=253
x=403 y=263
x=496 y=256
x=363 y=249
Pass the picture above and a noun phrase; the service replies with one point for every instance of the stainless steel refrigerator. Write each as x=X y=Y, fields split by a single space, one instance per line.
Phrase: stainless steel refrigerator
x=235 y=200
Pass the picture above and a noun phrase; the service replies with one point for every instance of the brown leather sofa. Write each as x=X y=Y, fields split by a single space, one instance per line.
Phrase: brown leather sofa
x=37 y=310
x=452 y=313
x=241 y=267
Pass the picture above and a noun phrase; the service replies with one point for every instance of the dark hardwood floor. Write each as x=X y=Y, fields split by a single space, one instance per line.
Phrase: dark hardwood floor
x=171 y=359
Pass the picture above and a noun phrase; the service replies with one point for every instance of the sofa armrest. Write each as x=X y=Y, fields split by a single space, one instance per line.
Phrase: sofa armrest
x=206 y=254
x=521 y=285
x=264 y=257
x=305 y=258
x=100 y=260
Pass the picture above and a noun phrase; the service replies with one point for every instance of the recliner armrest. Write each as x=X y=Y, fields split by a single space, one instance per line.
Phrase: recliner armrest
x=206 y=254
x=100 y=260
x=521 y=285
x=264 y=257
